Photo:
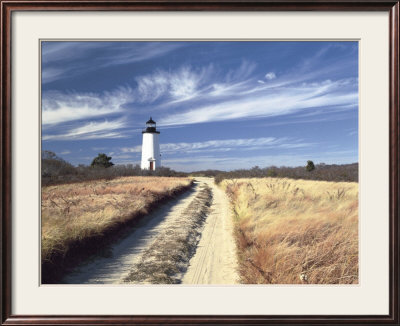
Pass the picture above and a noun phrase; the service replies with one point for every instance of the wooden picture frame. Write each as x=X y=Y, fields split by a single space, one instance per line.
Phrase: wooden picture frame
x=391 y=7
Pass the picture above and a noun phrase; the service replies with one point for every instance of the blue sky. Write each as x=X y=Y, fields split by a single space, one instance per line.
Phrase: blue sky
x=218 y=105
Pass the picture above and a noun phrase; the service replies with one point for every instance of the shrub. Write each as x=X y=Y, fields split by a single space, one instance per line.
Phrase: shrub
x=54 y=166
x=218 y=178
x=310 y=166
x=102 y=160
x=271 y=173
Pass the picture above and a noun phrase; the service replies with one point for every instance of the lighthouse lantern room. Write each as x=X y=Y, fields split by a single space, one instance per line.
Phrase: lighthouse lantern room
x=151 y=157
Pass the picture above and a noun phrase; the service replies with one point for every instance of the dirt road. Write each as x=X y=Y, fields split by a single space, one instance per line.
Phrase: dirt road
x=215 y=259
x=188 y=240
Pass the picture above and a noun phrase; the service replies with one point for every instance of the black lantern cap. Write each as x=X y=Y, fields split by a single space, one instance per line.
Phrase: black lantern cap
x=151 y=127
x=151 y=121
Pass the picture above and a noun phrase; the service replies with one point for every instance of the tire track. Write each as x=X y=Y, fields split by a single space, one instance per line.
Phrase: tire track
x=204 y=254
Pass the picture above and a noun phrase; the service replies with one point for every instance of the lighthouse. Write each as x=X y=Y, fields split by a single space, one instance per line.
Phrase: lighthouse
x=151 y=157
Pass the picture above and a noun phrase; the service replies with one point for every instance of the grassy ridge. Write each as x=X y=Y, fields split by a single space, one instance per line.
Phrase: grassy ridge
x=295 y=231
x=77 y=217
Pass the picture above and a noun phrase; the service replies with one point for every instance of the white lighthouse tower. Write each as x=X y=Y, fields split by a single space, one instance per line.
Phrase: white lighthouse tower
x=151 y=157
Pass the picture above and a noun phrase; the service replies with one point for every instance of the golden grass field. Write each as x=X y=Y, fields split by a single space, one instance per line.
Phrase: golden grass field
x=295 y=231
x=77 y=211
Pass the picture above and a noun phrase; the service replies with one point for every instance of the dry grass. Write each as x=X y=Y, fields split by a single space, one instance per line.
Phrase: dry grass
x=295 y=231
x=72 y=213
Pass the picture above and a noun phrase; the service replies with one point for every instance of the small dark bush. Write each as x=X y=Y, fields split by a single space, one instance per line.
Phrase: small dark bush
x=310 y=166
x=271 y=173
x=102 y=161
x=218 y=178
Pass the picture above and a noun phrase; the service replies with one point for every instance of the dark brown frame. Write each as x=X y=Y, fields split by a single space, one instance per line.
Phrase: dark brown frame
x=8 y=6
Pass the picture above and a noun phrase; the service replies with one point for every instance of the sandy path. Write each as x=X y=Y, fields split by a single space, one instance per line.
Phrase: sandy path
x=215 y=260
x=116 y=266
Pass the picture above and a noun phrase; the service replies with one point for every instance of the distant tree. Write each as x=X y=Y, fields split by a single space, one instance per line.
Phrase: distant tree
x=310 y=166
x=54 y=166
x=102 y=160
x=49 y=155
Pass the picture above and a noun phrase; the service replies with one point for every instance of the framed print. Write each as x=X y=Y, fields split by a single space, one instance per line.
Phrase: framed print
x=199 y=163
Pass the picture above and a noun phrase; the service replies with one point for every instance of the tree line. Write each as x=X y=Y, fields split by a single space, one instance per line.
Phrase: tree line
x=56 y=170
x=311 y=171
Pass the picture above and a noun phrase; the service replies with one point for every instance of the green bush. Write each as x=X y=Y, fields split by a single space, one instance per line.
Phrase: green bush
x=102 y=161
x=218 y=178
x=310 y=166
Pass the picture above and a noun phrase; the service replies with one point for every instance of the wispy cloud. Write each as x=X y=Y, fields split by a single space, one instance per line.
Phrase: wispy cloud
x=269 y=76
x=179 y=85
x=51 y=74
x=241 y=94
x=100 y=54
x=220 y=145
x=282 y=101
x=353 y=133
x=91 y=130
x=135 y=149
x=236 y=80
x=241 y=72
x=70 y=51
x=60 y=107
x=225 y=145
x=188 y=83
